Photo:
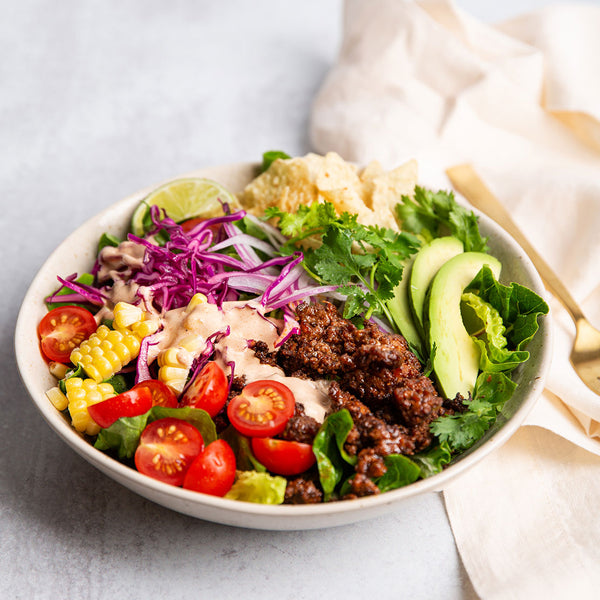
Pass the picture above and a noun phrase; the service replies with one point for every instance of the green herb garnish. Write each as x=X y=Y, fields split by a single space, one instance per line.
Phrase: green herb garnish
x=366 y=261
x=434 y=214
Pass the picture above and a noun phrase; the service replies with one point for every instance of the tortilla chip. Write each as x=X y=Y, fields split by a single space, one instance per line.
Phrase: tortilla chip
x=389 y=187
x=370 y=194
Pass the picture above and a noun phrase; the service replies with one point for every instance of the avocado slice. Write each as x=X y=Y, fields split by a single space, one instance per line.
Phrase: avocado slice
x=427 y=262
x=456 y=358
x=399 y=307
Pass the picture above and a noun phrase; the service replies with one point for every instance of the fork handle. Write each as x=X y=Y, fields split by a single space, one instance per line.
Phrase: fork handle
x=469 y=184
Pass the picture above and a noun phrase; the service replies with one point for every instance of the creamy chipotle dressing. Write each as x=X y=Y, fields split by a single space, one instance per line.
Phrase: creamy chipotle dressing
x=119 y=262
x=245 y=322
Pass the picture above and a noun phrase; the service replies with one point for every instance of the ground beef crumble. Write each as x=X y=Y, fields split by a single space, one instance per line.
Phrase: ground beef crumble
x=236 y=386
x=300 y=428
x=302 y=491
x=375 y=376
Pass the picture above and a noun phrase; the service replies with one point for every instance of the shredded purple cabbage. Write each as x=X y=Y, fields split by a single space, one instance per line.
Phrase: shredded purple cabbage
x=200 y=362
x=290 y=327
x=82 y=293
x=143 y=368
x=193 y=262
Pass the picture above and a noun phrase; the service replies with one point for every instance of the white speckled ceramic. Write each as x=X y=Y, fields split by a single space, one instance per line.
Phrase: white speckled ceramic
x=77 y=253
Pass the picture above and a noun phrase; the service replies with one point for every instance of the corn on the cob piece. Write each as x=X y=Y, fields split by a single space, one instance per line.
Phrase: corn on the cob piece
x=82 y=393
x=175 y=362
x=107 y=351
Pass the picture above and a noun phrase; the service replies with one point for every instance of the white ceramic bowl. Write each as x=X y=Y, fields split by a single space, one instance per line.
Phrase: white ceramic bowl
x=77 y=254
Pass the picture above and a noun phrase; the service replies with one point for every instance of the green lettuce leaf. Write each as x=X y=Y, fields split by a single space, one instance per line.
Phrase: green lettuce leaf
x=108 y=239
x=123 y=435
x=262 y=488
x=75 y=372
x=518 y=306
x=433 y=460
x=401 y=471
x=271 y=156
x=240 y=444
x=404 y=470
x=328 y=447
x=492 y=343
x=85 y=278
x=119 y=383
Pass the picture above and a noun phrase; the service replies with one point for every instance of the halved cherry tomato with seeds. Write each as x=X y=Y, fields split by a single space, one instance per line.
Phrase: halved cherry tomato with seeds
x=283 y=457
x=208 y=390
x=128 y=404
x=167 y=448
x=162 y=394
x=262 y=409
x=213 y=471
x=63 y=329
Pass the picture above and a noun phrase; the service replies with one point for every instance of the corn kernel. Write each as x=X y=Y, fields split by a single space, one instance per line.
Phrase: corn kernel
x=145 y=328
x=168 y=357
x=122 y=351
x=127 y=314
x=195 y=300
x=58 y=399
x=59 y=370
x=192 y=343
x=174 y=377
x=102 y=332
x=132 y=344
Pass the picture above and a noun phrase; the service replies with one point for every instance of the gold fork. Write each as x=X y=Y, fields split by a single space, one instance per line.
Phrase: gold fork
x=585 y=355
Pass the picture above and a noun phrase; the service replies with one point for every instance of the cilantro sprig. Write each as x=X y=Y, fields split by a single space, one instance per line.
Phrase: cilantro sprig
x=365 y=261
x=433 y=214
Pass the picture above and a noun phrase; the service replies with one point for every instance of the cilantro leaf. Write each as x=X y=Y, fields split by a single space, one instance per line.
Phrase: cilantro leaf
x=433 y=214
x=460 y=431
x=366 y=261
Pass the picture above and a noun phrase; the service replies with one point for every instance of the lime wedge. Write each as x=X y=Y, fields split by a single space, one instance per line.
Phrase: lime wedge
x=184 y=199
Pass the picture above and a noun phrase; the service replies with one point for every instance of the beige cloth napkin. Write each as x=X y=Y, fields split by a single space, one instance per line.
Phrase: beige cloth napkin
x=520 y=100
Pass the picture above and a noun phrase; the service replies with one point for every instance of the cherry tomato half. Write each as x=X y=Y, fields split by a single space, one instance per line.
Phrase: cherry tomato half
x=162 y=394
x=213 y=471
x=262 y=409
x=167 y=448
x=188 y=225
x=283 y=457
x=208 y=390
x=63 y=329
x=128 y=404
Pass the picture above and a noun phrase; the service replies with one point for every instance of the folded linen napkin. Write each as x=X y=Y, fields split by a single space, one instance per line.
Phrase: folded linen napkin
x=521 y=101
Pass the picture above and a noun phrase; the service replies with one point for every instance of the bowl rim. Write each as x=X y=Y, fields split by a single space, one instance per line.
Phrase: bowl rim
x=129 y=477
